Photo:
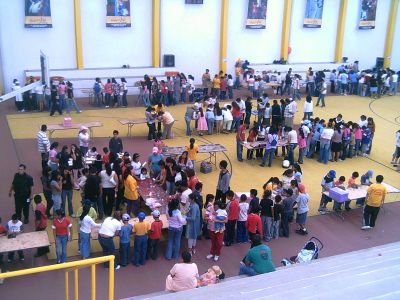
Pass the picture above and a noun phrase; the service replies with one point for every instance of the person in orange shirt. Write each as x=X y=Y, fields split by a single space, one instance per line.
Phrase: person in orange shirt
x=376 y=194
x=192 y=149
x=216 y=85
x=131 y=194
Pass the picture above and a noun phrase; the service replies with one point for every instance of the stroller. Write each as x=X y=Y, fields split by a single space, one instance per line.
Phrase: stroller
x=309 y=252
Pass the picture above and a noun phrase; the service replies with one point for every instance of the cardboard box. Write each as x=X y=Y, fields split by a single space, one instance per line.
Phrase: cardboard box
x=67 y=122
x=338 y=194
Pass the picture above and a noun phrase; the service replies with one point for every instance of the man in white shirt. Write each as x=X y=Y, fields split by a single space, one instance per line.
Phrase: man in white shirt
x=279 y=81
x=183 y=191
x=43 y=145
x=325 y=143
x=393 y=84
x=322 y=94
x=292 y=143
x=110 y=228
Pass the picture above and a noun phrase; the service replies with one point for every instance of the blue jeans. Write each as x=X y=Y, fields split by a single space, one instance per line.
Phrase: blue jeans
x=239 y=150
x=267 y=227
x=83 y=150
x=170 y=187
x=84 y=244
x=140 y=250
x=311 y=149
x=188 y=129
x=302 y=151
x=210 y=124
x=311 y=88
x=107 y=244
x=62 y=102
x=71 y=103
x=291 y=148
x=124 y=251
x=358 y=147
x=235 y=123
x=174 y=243
x=97 y=99
x=133 y=206
x=296 y=94
x=61 y=248
x=230 y=92
x=146 y=99
x=67 y=195
x=324 y=147
x=321 y=98
x=245 y=270
x=164 y=99
x=269 y=155
x=307 y=115
x=183 y=95
x=241 y=234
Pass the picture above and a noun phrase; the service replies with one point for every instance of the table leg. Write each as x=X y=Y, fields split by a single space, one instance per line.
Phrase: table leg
x=51 y=133
x=90 y=132
x=130 y=129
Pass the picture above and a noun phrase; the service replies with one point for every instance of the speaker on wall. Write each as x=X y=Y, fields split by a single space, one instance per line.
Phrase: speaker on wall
x=169 y=60
x=379 y=62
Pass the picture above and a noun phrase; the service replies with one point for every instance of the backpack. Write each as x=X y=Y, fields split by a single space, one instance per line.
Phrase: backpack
x=274 y=141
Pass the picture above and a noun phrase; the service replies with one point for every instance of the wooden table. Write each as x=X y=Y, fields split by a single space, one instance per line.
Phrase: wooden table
x=210 y=149
x=25 y=241
x=131 y=122
x=58 y=127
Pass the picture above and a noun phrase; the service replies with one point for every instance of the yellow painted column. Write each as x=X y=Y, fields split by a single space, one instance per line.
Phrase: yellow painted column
x=223 y=46
x=156 y=33
x=287 y=18
x=78 y=34
x=390 y=33
x=340 y=31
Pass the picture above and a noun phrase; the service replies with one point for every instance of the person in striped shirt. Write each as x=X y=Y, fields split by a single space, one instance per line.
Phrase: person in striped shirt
x=43 y=145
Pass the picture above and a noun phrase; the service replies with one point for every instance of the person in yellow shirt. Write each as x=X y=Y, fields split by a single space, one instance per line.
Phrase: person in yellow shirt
x=376 y=194
x=192 y=149
x=131 y=193
x=216 y=84
x=140 y=229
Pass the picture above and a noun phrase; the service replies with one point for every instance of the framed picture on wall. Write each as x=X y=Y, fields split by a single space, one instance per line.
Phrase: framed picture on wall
x=313 y=15
x=367 y=14
x=256 y=14
x=37 y=14
x=118 y=13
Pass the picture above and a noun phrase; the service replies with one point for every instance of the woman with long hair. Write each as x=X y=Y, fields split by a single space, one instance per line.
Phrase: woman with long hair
x=77 y=163
x=184 y=162
x=86 y=225
x=131 y=194
x=176 y=222
x=109 y=184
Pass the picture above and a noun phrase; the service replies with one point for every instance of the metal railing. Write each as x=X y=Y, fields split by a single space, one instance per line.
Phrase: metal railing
x=74 y=267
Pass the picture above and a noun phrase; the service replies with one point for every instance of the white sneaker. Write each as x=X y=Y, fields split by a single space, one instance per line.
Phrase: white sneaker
x=209 y=256
x=216 y=257
x=117 y=267
x=365 y=227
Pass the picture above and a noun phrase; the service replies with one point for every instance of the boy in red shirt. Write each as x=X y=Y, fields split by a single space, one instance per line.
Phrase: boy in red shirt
x=154 y=236
x=233 y=215
x=254 y=225
x=40 y=222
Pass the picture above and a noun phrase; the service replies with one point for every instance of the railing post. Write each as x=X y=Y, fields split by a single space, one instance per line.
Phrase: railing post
x=93 y=283
x=76 y=284
x=111 y=279
x=66 y=285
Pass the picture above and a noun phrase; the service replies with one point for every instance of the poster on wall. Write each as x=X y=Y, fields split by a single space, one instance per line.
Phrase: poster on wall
x=37 y=14
x=118 y=13
x=368 y=14
x=256 y=14
x=313 y=15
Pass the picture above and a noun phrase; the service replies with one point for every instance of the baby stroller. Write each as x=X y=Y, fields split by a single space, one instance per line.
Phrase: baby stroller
x=309 y=252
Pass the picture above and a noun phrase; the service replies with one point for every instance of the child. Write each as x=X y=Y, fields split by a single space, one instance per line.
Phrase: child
x=192 y=149
x=125 y=240
x=207 y=215
x=254 y=201
x=220 y=215
x=141 y=229
x=228 y=118
x=202 y=126
x=351 y=183
x=339 y=184
x=254 y=225
x=250 y=139
x=241 y=236
x=154 y=236
x=365 y=140
x=210 y=117
x=278 y=211
x=92 y=152
x=248 y=106
x=302 y=142
x=159 y=143
x=143 y=174
x=98 y=163
x=14 y=227
x=40 y=222
x=358 y=137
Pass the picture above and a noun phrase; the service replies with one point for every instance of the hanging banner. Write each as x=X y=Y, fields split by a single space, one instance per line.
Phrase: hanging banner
x=368 y=14
x=118 y=13
x=37 y=14
x=256 y=14
x=313 y=15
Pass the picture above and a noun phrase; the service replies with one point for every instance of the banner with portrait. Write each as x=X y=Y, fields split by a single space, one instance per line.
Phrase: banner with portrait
x=37 y=14
x=313 y=15
x=256 y=14
x=118 y=13
x=367 y=14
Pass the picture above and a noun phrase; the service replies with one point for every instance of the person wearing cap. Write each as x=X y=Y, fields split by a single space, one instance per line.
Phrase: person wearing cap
x=183 y=276
x=153 y=162
x=327 y=183
x=154 y=235
x=302 y=208
x=83 y=139
x=111 y=227
x=141 y=230
x=115 y=144
x=125 y=240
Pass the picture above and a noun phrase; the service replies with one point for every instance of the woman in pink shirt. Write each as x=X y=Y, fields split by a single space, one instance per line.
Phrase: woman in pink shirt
x=358 y=137
x=108 y=91
x=183 y=276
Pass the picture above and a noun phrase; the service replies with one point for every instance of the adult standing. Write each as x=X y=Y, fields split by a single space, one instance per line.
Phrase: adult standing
x=108 y=230
x=86 y=226
x=131 y=194
x=182 y=276
x=153 y=162
x=223 y=185
x=22 y=187
x=92 y=191
x=176 y=222
x=258 y=259
x=19 y=101
x=325 y=143
x=292 y=140
x=168 y=121
x=267 y=213
x=233 y=215
x=240 y=138
x=302 y=209
x=83 y=140
x=109 y=185
x=272 y=143
x=193 y=223
x=188 y=118
x=55 y=100
x=333 y=79
x=43 y=145
x=216 y=237
x=62 y=230
x=276 y=113
x=322 y=94
x=375 y=199
x=124 y=90
x=150 y=115
x=115 y=144
x=206 y=82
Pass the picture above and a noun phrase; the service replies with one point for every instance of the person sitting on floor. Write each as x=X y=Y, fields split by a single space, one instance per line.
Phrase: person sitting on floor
x=183 y=276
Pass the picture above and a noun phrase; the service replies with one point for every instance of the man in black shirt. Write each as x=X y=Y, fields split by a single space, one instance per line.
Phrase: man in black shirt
x=267 y=213
x=22 y=186
x=115 y=145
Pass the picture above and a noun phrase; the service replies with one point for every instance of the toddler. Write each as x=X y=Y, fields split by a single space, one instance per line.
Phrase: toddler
x=220 y=215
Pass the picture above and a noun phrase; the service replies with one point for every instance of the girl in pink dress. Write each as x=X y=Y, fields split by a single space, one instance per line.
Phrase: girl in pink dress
x=202 y=123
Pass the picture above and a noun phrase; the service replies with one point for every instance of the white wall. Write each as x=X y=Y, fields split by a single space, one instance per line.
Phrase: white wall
x=191 y=33
x=21 y=46
x=313 y=44
x=113 y=47
x=255 y=45
x=365 y=45
x=395 y=61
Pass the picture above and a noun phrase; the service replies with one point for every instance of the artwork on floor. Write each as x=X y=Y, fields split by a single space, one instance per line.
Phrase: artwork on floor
x=118 y=13
x=367 y=14
x=313 y=15
x=256 y=14
x=37 y=14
